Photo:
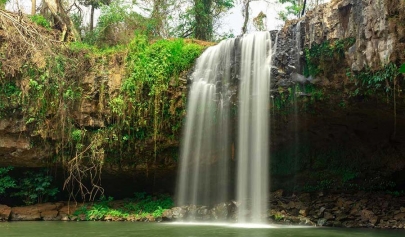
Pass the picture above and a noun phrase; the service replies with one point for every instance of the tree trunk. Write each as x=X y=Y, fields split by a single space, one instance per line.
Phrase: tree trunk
x=55 y=6
x=246 y=15
x=203 y=19
x=303 y=7
x=33 y=7
x=157 y=16
x=91 y=18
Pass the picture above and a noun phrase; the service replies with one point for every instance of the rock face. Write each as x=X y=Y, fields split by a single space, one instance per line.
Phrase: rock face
x=375 y=25
x=45 y=211
x=370 y=22
x=16 y=148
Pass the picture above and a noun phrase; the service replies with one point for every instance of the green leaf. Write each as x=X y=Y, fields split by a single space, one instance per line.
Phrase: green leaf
x=402 y=68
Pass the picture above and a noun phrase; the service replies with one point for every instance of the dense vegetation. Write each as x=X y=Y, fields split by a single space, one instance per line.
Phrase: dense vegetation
x=137 y=116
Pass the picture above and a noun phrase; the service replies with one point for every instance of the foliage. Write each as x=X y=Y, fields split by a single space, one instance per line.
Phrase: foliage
x=149 y=204
x=10 y=97
x=117 y=24
x=370 y=82
x=41 y=21
x=6 y=181
x=278 y=216
x=293 y=8
x=95 y=3
x=143 y=205
x=321 y=58
x=3 y=3
x=396 y=193
x=201 y=19
x=402 y=68
x=35 y=187
x=77 y=20
x=44 y=91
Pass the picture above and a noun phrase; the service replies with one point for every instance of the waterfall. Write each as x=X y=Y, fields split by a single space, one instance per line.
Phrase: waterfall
x=205 y=149
x=252 y=175
x=207 y=146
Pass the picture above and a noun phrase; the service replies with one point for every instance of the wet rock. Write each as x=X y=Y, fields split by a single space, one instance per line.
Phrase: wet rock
x=321 y=222
x=221 y=211
x=178 y=213
x=304 y=212
x=167 y=214
x=321 y=210
x=328 y=216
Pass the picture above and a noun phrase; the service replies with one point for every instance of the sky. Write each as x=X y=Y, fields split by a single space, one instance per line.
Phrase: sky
x=231 y=23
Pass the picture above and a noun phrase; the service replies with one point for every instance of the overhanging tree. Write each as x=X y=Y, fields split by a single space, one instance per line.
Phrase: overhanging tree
x=59 y=13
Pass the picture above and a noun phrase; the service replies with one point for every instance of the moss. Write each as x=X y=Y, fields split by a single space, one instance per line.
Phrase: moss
x=320 y=58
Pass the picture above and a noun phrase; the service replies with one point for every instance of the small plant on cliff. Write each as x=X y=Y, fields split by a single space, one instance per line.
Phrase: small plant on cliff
x=321 y=58
x=5 y=180
x=35 y=187
x=370 y=82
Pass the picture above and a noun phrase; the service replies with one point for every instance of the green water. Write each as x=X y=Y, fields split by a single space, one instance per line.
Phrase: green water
x=127 y=229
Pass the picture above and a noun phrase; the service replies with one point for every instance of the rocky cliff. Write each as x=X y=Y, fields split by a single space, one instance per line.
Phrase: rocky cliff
x=339 y=93
x=376 y=26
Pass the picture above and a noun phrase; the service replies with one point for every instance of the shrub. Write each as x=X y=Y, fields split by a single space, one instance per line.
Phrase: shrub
x=5 y=180
x=35 y=187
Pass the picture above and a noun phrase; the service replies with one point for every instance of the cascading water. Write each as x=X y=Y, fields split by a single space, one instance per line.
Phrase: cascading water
x=206 y=151
x=252 y=179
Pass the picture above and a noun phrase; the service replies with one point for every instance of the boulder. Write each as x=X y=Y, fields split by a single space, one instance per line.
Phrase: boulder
x=367 y=215
x=278 y=193
x=167 y=214
x=399 y=216
x=5 y=212
x=304 y=212
x=178 y=213
x=50 y=215
x=321 y=210
x=328 y=216
x=321 y=222
x=28 y=213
